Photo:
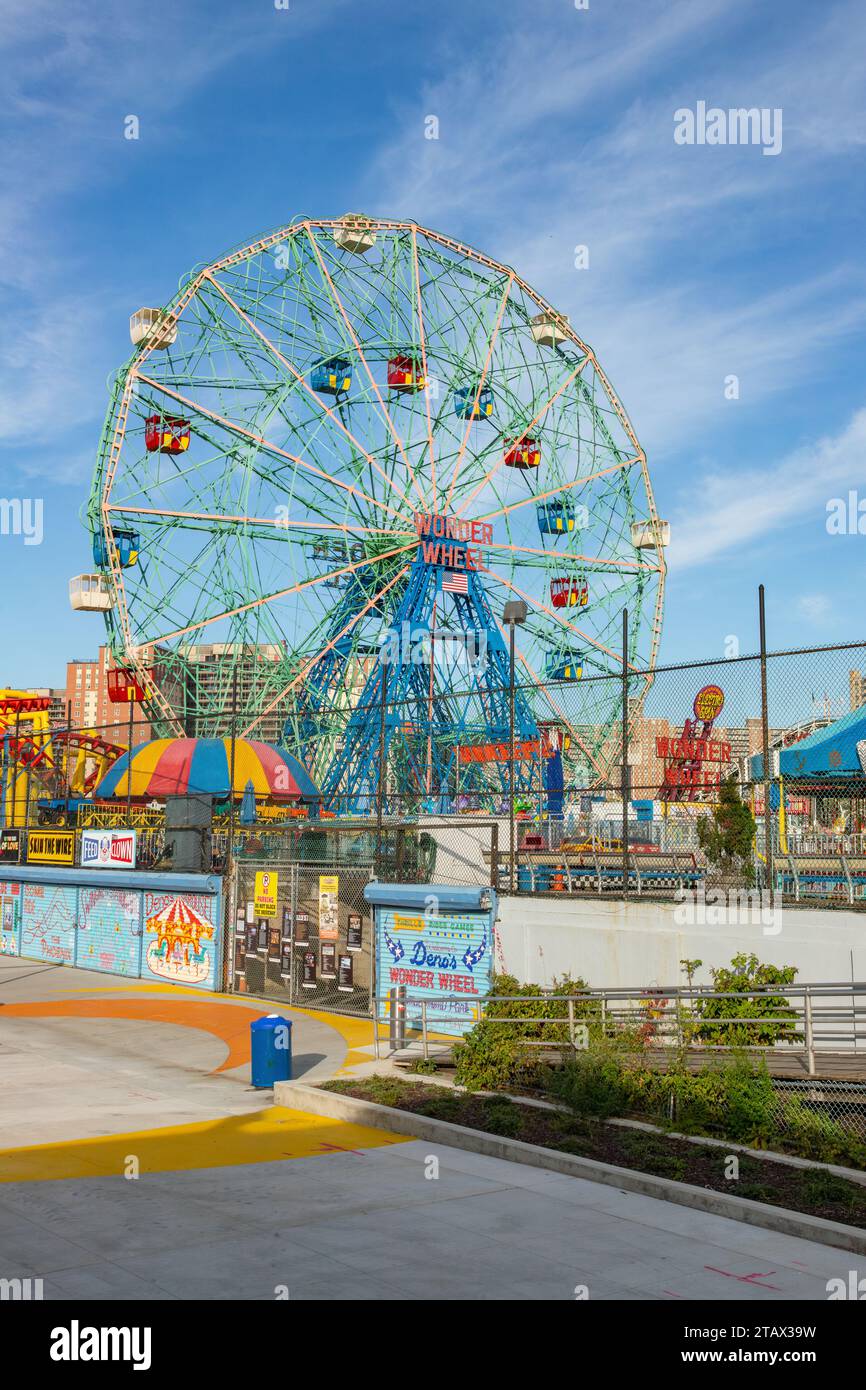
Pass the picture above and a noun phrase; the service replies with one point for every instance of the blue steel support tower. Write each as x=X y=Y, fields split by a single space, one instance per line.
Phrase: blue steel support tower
x=429 y=713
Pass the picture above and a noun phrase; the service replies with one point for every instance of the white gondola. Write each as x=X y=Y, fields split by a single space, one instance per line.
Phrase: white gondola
x=152 y=326
x=89 y=593
x=646 y=535
x=355 y=233
x=549 y=329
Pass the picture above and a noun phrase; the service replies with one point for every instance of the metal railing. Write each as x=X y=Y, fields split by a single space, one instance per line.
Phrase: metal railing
x=826 y=1020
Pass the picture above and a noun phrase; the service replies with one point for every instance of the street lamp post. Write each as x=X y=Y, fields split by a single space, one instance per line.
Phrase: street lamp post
x=513 y=615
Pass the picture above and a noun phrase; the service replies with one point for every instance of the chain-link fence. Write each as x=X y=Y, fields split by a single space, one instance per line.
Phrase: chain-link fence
x=744 y=772
x=302 y=933
x=741 y=772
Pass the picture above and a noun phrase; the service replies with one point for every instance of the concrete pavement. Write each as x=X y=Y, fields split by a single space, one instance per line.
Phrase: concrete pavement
x=371 y=1224
x=138 y=1163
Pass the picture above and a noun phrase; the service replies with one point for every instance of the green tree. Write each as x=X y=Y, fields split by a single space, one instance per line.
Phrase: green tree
x=727 y=837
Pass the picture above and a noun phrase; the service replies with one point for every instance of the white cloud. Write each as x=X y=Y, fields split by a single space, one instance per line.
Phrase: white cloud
x=815 y=608
x=734 y=511
x=70 y=76
x=572 y=143
x=48 y=382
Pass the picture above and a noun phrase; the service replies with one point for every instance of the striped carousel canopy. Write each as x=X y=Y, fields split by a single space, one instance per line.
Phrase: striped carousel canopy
x=183 y=766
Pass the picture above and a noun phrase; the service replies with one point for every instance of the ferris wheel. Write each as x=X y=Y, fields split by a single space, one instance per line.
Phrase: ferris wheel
x=356 y=428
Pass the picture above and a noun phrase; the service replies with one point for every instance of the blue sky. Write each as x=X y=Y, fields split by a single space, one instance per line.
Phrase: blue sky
x=556 y=130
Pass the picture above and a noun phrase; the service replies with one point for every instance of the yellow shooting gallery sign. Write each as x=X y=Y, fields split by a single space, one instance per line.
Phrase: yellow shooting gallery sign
x=265 y=894
x=51 y=847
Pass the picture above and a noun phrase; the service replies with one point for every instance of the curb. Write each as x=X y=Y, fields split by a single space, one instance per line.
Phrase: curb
x=295 y=1095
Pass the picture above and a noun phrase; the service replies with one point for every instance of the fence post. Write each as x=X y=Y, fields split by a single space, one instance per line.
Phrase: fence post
x=494 y=855
x=625 y=767
x=229 y=859
x=401 y=1016
x=810 y=1037
x=380 y=789
x=424 y=1029
x=293 y=908
x=512 y=885
x=230 y=912
x=571 y=1021
x=397 y=996
x=27 y=788
x=129 y=764
x=765 y=737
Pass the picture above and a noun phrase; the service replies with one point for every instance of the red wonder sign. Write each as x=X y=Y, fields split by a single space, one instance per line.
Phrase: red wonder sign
x=691 y=749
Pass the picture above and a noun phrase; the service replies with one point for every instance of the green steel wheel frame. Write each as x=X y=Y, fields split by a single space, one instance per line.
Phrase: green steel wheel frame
x=292 y=509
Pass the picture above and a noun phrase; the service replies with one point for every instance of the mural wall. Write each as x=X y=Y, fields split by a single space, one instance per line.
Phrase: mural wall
x=181 y=934
x=129 y=928
x=48 y=914
x=109 y=930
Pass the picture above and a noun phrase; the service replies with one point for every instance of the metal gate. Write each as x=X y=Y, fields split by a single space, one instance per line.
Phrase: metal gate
x=314 y=948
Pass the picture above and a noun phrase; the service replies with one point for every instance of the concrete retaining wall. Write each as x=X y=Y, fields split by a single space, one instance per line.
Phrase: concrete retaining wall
x=614 y=944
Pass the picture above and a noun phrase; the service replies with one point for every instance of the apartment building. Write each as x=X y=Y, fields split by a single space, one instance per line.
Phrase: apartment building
x=86 y=696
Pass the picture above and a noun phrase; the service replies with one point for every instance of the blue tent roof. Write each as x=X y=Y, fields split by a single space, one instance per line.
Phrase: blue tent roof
x=829 y=752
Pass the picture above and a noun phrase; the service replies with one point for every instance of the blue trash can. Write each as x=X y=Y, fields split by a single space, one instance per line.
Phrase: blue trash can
x=271 y=1050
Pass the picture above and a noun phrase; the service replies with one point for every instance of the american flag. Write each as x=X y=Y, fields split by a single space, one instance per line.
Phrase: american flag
x=456 y=583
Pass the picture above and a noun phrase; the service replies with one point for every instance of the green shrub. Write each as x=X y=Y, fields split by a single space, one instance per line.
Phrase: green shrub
x=490 y=1058
x=542 y=1006
x=504 y=1117
x=825 y=1189
x=440 y=1103
x=598 y=1081
x=756 y=1192
x=727 y=837
x=747 y=975
x=812 y=1135
x=495 y=1056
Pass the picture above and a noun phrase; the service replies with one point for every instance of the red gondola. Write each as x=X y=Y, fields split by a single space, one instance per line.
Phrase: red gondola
x=124 y=686
x=168 y=434
x=522 y=453
x=569 y=593
x=405 y=374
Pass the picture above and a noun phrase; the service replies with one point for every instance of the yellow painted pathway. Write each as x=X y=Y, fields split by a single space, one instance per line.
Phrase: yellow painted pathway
x=268 y=1135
